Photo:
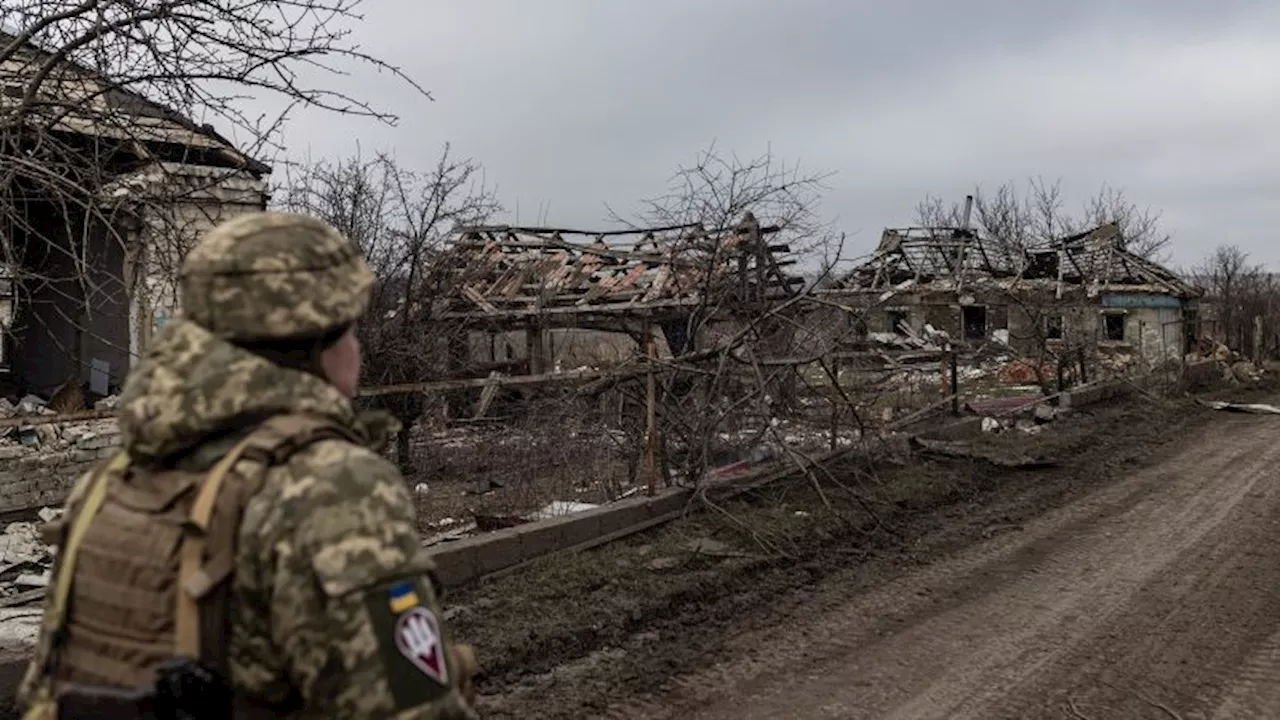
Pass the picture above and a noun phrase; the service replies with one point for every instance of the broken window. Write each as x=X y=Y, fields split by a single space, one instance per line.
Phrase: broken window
x=894 y=320
x=1053 y=327
x=974 y=319
x=1113 y=327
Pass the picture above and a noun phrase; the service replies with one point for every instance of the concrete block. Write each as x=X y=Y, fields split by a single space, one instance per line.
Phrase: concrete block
x=668 y=502
x=500 y=552
x=580 y=527
x=623 y=516
x=541 y=538
x=456 y=562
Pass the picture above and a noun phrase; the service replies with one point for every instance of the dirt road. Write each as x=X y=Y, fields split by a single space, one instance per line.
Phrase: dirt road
x=1157 y=596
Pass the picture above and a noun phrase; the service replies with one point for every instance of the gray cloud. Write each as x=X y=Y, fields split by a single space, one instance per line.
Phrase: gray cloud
x=578 y=103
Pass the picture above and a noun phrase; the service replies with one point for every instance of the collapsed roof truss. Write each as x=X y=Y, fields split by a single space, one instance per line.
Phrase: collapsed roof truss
x=954 y=257
x=505 y=272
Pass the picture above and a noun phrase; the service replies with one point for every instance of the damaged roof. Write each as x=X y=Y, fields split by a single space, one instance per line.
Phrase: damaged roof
x=104 y=110
x=952 y=257
x=505 y=271
x=1098 y=257
x=924 y=255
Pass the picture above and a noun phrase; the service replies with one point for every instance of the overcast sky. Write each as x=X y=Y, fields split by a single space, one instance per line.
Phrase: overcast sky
x=570 y=104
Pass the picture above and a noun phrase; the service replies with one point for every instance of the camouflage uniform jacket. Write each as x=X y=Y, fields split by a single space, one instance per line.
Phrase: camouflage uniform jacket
x=329 y=537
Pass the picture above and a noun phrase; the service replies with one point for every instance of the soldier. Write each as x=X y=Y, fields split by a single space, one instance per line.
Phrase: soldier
x=249 y=553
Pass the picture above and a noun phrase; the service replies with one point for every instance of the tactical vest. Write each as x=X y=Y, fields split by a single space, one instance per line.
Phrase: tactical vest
x=144 y=568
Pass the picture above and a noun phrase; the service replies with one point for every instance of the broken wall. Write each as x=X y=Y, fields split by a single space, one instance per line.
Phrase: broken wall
x=178 y=204
x=563 y=348
x=39 y=465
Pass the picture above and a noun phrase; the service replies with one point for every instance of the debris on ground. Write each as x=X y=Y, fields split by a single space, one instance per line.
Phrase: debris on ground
x=660 y=564
x=111 y=402
x=1246 y=372
x=560 y=508
x=26 y=562
x=967 y=451
x=1255 y=408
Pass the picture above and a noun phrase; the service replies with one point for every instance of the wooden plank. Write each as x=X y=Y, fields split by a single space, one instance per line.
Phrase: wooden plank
x=23 y=598
x=487 y=395
x=474 y=296
x=85 y=416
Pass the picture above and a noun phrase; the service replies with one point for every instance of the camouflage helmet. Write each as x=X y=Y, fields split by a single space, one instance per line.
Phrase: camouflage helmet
x=274 y=275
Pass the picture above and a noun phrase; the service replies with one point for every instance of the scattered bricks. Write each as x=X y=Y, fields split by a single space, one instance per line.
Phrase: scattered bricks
x=12 y=452
x=84 y=456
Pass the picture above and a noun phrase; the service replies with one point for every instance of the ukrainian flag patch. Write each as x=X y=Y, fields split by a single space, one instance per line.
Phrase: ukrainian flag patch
x=402 y=596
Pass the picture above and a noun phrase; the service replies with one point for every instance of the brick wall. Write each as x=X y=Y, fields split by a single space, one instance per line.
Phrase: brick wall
x=42 y=474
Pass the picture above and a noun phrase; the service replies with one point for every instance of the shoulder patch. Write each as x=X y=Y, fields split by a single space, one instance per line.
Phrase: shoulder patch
x=418 y=638
x=411 y=642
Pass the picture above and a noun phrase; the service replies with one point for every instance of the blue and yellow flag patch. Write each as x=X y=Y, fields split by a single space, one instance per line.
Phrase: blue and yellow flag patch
x=402 y=596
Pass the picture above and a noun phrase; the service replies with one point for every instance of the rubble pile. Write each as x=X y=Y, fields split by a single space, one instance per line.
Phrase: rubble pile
x=1232 y=367
x=26 y=562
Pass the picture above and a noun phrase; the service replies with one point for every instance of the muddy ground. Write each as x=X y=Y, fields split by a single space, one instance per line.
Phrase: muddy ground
x=754 y=599
x=908 y=583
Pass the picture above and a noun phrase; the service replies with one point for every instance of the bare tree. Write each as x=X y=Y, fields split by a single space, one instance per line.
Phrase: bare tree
x=1014 y=220
x=1243 y=298
x=402 y=219
x=106 y=146
x=733 y=376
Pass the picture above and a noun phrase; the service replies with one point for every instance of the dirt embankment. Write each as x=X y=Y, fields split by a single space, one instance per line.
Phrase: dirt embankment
x=725 y=602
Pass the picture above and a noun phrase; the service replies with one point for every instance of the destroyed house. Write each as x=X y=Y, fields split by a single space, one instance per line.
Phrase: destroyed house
x=534 y=300
x=1084 y=291
x=108 y=192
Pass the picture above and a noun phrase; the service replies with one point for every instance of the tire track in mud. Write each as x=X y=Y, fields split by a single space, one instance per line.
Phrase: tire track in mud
x=1256 y=692
x=1139 y=580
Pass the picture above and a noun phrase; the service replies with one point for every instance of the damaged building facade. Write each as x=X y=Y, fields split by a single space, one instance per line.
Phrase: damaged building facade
x=111 y=192
x=1085 y=292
